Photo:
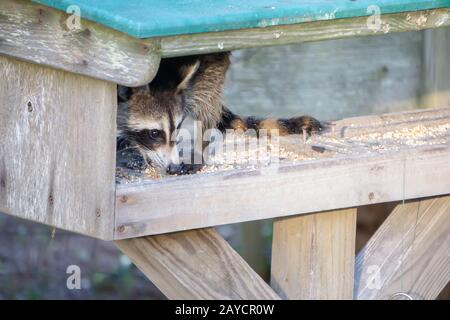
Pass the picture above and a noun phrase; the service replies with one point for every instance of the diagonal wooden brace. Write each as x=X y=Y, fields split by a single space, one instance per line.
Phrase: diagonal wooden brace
x=196 y=264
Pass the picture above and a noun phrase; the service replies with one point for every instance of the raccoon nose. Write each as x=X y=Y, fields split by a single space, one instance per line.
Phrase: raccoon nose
x=175 y=169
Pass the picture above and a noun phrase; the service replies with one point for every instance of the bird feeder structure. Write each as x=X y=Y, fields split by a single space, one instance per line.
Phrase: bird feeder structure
x=60 y=63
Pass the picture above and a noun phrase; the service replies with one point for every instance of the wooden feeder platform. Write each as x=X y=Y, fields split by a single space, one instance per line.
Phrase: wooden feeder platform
x=359 y=161
x=58 y=152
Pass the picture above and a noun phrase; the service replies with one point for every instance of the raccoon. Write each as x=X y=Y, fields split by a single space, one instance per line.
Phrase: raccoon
x=149 y=116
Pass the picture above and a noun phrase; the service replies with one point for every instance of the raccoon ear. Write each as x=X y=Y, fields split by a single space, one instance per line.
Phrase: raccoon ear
x=187 y=73
x=141 y=88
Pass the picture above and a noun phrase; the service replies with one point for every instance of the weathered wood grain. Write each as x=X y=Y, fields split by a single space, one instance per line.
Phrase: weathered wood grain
x=40 y=34
x=283 y=81
x=408 y=254
x=303 y=32
x=340 y=180
x=43 y=35
x=196 y=264
x=313 y=256
x=436 y=68
x=57 y=148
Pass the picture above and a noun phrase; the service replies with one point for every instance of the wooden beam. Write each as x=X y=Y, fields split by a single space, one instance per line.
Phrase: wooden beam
x=302 y=32
x=313 y=256
x=365 y=160
x=197 y=264
x=45 y=36
x=132 y=62
x=408 y=254
x=57 y=148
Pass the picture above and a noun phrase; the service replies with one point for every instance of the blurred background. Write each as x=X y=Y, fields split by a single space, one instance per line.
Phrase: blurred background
x=328 y=80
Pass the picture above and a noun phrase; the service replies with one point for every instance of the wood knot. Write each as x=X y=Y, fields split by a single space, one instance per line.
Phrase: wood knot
x=121 y=228
x=30 y=106
x=98 y=212
x=371 y=196
x=50 y=200
x=124 y=199
x=41 y=15
x=86 y=33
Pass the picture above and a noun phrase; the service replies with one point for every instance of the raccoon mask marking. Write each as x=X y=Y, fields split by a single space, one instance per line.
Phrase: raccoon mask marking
x=149 y=116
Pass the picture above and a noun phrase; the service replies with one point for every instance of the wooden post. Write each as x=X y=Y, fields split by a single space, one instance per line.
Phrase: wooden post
x=57 y=148
x=196 y=264
x=313 y=255
x=409 y=253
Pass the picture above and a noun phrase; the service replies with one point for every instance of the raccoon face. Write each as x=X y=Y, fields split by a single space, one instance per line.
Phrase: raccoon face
x=150 y=121
x=149 y=116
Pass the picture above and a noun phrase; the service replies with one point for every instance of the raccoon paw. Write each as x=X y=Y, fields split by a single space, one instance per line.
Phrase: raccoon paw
x=182 y=169
x=310 y=125
x=305 y=125
x=191 y=168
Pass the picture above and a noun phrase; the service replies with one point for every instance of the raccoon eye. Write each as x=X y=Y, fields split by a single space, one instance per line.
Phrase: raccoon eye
x=154 y=134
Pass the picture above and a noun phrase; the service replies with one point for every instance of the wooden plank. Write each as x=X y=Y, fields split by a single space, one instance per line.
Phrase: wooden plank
x=436 y=69
x=42 y=35
x=313 y=256
x=197 y=264
x=57 y=151
x=132 y=62
x=303 y=32
x=352 y=171
x=408 y=254
x=282 y=81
